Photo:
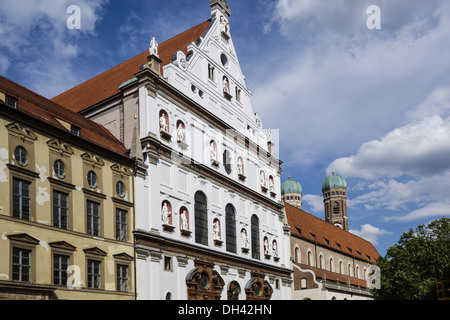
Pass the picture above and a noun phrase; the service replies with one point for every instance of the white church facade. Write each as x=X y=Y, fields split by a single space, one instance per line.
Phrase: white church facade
x=209 y=219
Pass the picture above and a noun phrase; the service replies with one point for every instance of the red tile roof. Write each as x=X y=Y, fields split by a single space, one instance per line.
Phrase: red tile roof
x=48 y=111
x=332 y=276
x=107 y=84
x=311 y=228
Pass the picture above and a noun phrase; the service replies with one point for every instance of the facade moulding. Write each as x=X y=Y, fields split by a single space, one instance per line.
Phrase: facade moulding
x=147 y=240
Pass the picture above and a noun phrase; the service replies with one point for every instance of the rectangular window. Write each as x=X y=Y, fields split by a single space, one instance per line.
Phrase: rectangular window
x=21 y=265
x=93 y=218
x=94 y=274
x=122 y=278
x=121 y=225
x=21 y=199
x=210 y=72
x=168 y=263
x=60 y=209
x=10 y=101
x=60 y=265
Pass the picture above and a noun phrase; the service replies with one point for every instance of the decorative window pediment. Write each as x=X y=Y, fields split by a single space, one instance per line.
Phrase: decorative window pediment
x=93 y=159
x=123 y=256
x=22 y=132
x=121 y=170
x=23 y=237
x=62 y=245
x=95 y=251
x=60 y=147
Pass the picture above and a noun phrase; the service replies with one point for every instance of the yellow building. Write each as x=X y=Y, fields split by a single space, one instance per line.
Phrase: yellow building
x=66 y=203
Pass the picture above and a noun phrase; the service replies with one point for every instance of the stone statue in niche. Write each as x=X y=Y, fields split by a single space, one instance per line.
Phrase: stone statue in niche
x=263 y=179
x=240 y=166
x=181 y=132
x=154 y=47
x=216 y=230
x=275 y=249
x=212 y=151
x=165 y=214
x=266 y=246
x=184 y=221
x=224 y=25
x=226 y=85
x=163 y=123
x=244 y=239
x=271 y=184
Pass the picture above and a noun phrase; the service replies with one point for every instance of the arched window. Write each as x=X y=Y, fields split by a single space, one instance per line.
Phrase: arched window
x=227 y=161
x=255 y=237
x=230 y=228
x=321 y=261
x=296 y=255
x=309 y=258
x=331 y=264
x=201 y=218
x=234 y=289
x=340 y=267
x=336 y=208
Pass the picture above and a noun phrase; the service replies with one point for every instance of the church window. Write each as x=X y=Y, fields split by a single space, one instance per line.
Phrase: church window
x=234 y=290
x=168 y=263
x=309 y=258
x=224 y=60
x=255 y=237
x=331 y=264
x=336 y=208
x=227 y=161
x=201 y=218
x=230 y=226
x=238 y=94
x=321 y=262
x=296 y=255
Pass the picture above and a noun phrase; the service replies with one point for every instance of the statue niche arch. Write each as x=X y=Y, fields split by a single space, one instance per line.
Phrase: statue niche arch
x=204 y=283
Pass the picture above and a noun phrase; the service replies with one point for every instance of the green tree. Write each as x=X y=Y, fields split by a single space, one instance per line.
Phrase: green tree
x=410 y=268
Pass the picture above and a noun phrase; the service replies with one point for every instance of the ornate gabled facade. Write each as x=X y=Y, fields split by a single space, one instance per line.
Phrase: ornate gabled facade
x=210 y=223
x=66 y=204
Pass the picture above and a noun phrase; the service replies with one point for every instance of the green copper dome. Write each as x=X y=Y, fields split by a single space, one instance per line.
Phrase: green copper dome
x=334 y=182
x=291 y=186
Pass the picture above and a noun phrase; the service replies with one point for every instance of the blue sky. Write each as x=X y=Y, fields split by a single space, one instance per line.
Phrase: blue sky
x=372 y=105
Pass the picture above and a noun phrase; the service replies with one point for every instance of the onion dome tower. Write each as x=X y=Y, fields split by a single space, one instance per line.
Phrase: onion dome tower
x=291 y=192
x=334 y=189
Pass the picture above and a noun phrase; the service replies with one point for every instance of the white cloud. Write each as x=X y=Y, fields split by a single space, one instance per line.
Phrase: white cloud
x=436 y=209
x=35 y=36
x=314 y=201
x=341 y=89
x=370 y=233
x=419 y=148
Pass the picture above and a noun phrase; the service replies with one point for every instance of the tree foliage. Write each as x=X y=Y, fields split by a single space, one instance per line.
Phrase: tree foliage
x=411 y=268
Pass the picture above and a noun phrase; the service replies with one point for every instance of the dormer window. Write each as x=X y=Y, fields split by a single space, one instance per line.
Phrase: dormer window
x=75 y=130
x=11 y=102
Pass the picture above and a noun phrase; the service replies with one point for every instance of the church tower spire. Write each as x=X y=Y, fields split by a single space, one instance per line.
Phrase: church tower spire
x=334 y=190
x=222 y=5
